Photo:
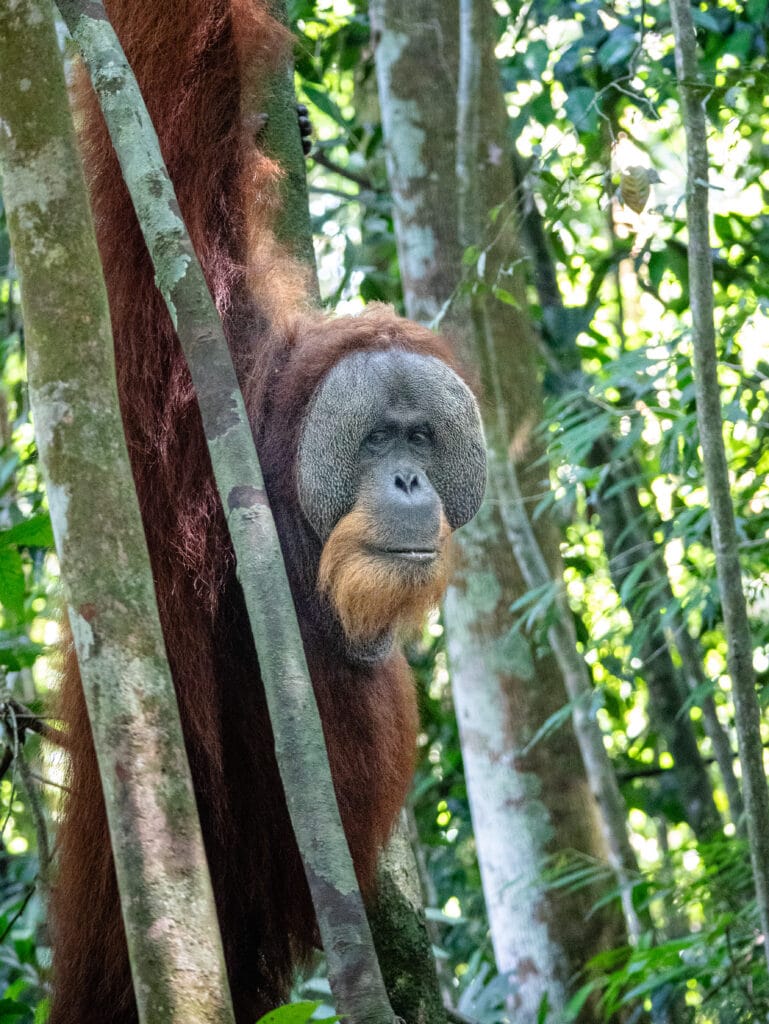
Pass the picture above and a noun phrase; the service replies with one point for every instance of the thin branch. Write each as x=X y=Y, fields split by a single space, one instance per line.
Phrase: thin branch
x=45 y=781
x=24 y=903
x=168 y=905
x=359 y=179
x=747 y=712
x=27 y=719
x=38 y=819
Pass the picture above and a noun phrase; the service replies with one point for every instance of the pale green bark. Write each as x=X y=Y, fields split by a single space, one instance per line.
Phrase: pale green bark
x=747 y=713
x=416 y=66
x=168 y=908
x=299 y=745
x=484 y=172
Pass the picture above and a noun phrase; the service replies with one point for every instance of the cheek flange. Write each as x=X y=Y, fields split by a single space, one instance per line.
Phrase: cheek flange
x=354 y=396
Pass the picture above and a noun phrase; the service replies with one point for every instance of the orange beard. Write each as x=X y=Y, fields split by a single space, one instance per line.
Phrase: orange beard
x=372 y=592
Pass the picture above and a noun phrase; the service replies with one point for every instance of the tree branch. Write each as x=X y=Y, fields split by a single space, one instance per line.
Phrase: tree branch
x=320 y=158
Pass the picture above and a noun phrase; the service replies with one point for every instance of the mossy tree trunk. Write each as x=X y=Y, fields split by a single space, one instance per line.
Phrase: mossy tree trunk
x=401 y=935
x=168 y=907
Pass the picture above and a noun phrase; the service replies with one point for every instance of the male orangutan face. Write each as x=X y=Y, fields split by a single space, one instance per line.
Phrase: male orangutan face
x=391 y=461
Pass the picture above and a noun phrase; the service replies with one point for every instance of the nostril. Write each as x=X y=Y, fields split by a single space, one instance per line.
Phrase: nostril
x=407 y=482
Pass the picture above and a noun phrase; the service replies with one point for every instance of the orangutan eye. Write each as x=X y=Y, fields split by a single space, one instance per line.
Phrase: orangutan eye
x=420 y=436
x=377 y=439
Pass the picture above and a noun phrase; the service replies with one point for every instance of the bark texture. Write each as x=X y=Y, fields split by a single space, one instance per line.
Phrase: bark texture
x=168 y=908
x=401 y=935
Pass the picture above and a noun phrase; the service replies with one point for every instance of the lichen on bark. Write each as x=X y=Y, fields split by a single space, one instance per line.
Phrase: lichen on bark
x=168 y=909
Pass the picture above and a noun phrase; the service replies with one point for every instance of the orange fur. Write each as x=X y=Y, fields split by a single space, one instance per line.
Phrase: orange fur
x=203 y=67
x=372 y=592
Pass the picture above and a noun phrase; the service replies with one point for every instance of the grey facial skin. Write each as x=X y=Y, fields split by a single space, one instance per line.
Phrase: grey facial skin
x=403 y=430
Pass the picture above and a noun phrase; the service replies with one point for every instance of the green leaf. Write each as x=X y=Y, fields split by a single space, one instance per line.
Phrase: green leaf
x=34 y=532
x=323 y=102
x=617 y=48
x=544 y=1009
x=626 y=590
x=41 y=1011
x=705 y=20
x=17 y=652
x=536 y=57
x=578 y=1000
x=553 y=722
x=294 y=1013
x=12 y=582
x=755 y=10
x=10 y=1010
x=504 y=296
x=470 y=256
x=581 y=109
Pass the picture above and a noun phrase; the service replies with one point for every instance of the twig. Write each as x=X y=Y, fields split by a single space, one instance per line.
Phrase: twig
x=747 y=713
x=320 y=158
x=38 y=819
x=335 y=193
x=45 y=781
x=27 y=719
x=652 y=770
x=27 y=897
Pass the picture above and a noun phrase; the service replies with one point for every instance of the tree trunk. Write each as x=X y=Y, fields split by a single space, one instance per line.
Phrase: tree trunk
x=167 y=902
x=400 y=932
x=747 y=711
x=526 y=804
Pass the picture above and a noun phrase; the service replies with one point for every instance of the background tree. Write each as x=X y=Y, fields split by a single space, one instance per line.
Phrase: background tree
x=449 y=164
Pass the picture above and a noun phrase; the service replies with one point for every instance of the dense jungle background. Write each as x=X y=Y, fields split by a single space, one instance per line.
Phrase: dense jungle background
x=591 y=393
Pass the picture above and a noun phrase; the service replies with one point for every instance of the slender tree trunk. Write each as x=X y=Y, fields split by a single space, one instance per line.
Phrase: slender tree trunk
x=709 y=419
x=526 y=804
x=281 y=139
x=396 y=915
x=168 y=907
